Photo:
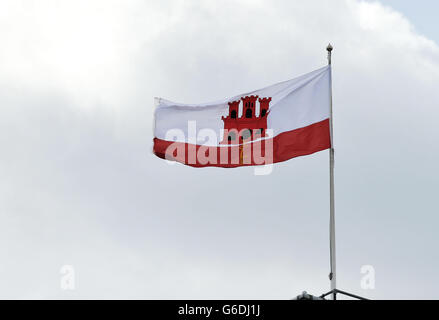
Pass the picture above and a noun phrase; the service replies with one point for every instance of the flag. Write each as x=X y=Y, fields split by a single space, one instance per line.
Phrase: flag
x=265 y=126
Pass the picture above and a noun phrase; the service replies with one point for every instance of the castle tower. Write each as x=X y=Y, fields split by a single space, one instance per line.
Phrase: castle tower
x=249 y=107
x=264 y=104
x=234 y=109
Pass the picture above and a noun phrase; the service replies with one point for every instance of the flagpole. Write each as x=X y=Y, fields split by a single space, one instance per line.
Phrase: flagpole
x=332 y=274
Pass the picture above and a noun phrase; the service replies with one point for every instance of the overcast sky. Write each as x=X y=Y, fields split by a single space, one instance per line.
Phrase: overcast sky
x=422 y=15
x=80 y=186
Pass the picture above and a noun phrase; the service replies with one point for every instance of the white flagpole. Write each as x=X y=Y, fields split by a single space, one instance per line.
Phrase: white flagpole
x=332 y=275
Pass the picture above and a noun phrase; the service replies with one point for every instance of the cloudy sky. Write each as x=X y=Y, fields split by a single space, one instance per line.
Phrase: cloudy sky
x=80 y=186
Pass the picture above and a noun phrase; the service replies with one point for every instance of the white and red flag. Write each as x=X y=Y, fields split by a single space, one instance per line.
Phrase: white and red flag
x=273 y=124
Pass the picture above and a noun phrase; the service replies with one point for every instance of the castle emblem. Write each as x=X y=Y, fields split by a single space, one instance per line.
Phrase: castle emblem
x=248 y=126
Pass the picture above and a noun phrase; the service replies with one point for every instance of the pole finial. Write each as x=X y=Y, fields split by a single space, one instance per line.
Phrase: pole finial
x=329 y=47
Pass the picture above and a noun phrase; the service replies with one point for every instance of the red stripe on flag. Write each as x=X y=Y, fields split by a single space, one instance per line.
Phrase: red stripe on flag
x=287 y=145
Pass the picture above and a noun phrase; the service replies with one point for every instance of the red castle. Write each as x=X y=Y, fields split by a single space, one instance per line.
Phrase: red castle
x=248 y=126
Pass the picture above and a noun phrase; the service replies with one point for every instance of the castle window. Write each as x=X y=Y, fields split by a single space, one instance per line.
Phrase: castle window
x=233 y=114
x=231 y=136
x=263 y=112
x=248 y=113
